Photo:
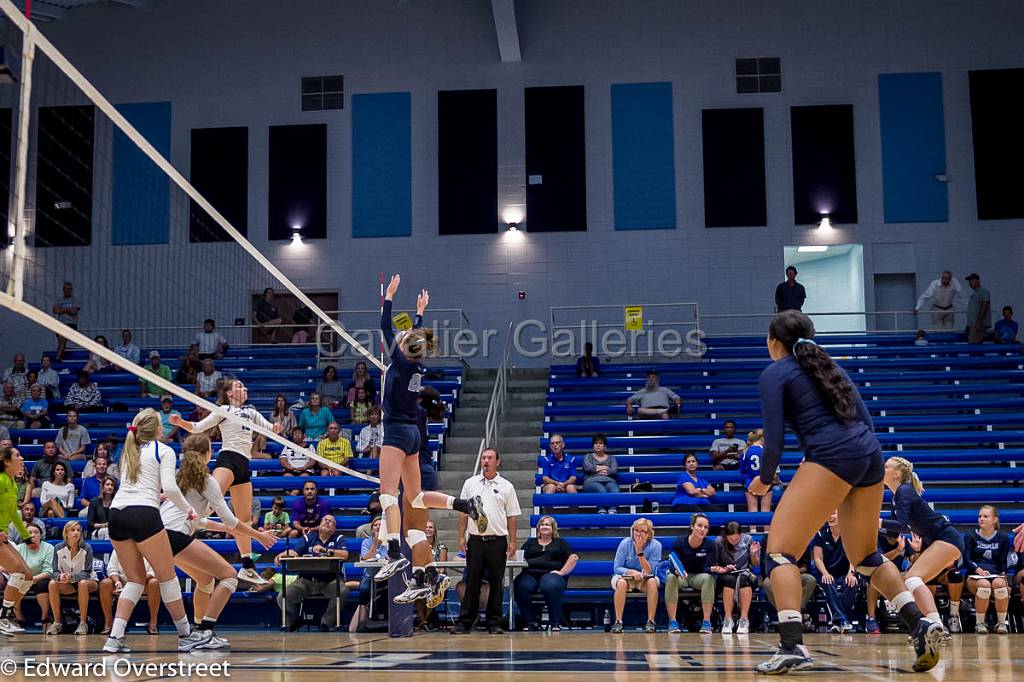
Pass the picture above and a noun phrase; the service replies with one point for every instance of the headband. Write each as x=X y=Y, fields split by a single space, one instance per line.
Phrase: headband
x=803 y=340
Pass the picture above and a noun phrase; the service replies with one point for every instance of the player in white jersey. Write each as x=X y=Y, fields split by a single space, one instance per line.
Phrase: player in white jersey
x=232 y=468
x=137 y=533
x=198 y=559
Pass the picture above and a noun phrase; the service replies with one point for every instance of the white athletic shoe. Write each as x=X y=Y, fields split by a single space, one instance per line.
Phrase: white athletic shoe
x=727 y=626
x=116 y=646
x=82 y=629
x=954 y=624
x=438 y=590
x=55 y=628
x=1001 y=629
x=413 y=592
x=9 y=627
x=197 y=639
x=784 y=661
x=250 y=575
x=743 y=627
x=981 y=628
x=390 y=568
x=216 y=643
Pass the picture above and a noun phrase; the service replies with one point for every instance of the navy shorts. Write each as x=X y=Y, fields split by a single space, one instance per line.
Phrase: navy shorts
x=236 y=463
x=950 y=535
x=860 y=472
x=179 y=541
x=405 y=437
x=428 y=478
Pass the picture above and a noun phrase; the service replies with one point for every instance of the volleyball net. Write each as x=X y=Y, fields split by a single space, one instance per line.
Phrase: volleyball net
x=94 y=198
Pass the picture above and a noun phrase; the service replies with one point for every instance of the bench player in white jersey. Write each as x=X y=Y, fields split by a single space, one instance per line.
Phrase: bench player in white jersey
x=137 y=533
x=214 y=577
x=232 y=467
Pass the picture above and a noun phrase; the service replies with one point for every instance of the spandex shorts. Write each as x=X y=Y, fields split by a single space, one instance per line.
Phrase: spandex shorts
x=136 y=523
x=405 y=437
x=237 y=464
x=179 y=541
x=860 y=472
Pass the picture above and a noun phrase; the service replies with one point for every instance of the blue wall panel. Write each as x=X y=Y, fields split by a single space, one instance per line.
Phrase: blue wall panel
x=140 y=194
x=381 y=165
x=643 y=156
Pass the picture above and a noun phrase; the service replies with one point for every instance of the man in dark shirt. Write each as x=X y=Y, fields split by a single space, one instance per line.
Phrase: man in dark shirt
x=838 y=580
x=309 y=510
x=323 y=542
x=790 y=295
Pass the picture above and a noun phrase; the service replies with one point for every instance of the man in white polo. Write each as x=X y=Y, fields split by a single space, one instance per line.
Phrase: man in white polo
x=942 y=295
x=492 y=541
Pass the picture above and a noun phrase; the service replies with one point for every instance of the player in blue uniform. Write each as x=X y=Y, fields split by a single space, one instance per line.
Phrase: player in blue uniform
x=400 y=452
x=750 y=469
x=942 y=545
x=986 y=558
x=843 y=469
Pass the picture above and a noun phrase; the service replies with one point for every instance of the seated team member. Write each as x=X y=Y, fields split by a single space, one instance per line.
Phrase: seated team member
x=309 y=510
x=600 y=472
x=371 y=436
x=736 y=554
x=558 y=469
x=986 y=554
x=838 y=578
x=549 y=560
x=636 y=562
x=323 y=541
x=334 y=447
x=112 y=585
x=692 y=491
x=690 y=567
x=1006 y=329
x=39 y=557
x=807 y=585
x=727 y=448
x=654 y=399
x=71 y=574
x=588 y=365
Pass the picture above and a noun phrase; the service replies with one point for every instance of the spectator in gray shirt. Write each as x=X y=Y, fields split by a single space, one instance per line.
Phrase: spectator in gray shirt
x=49 y=379
x=654 y=399
x=726 y=450
x=600 y=472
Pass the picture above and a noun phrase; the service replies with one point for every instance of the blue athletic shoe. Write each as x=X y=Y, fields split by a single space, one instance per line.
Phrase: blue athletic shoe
x=706 y=628
x=872 y=627
x=673 y=627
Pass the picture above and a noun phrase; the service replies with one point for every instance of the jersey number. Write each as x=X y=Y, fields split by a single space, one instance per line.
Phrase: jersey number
x=415 y=382
x=755 y=463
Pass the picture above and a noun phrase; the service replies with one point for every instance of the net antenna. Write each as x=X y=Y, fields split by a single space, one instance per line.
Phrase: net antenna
x=13 y=297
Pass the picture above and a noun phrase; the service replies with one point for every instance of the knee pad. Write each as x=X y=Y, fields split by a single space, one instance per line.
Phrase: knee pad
x=913 y=583
x=132 y=592
x=954 y=577
x=414 y=537
x=382 y=532
x=18 y=582
x=231 y=584
x=1001 y=593
x=870 y=564
x=417 y=502
x=983 y=592
x=387 y=502
x=206 y=588
x=170 y=590
x=777 y=559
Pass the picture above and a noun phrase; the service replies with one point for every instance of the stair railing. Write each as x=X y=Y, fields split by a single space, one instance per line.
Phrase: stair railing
x=499 y=394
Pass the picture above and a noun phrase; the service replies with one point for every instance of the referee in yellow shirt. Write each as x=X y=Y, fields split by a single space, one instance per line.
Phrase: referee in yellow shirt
x=334 y=448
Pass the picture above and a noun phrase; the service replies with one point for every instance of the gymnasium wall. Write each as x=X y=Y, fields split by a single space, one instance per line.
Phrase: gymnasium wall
x=218 y=64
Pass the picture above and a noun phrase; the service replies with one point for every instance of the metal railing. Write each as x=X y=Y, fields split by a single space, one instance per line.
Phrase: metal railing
x=741 y=324
x=180 y=336
x=499 y=394
x=364 y=325
x=597 y=323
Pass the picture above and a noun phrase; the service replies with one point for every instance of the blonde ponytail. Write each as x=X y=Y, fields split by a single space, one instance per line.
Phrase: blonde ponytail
x=906 y=470
x=755 y=436
x=194 y=471
x=143 y=430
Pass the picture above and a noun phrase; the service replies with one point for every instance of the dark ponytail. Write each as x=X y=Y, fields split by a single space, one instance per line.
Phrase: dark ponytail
x=430 y=400
x=795 y=331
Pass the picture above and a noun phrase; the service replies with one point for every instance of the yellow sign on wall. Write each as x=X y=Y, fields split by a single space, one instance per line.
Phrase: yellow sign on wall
x=634 y=318
x=402 y=321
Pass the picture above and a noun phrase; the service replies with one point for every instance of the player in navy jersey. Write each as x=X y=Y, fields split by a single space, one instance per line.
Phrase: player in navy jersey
x=986 y=558
x=843 y=469
x=401 y=403
x=750 y=469
x=942 y=545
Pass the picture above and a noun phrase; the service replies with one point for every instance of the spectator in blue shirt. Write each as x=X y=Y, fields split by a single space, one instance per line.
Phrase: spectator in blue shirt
x=589 y=365
x=93 y=485
x=558 y=470
x=636 y=561
x=693 y=492
x=36 y=408
x=1005 y=330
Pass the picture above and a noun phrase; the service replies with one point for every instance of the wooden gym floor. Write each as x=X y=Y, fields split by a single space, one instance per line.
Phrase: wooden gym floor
x=311 y=657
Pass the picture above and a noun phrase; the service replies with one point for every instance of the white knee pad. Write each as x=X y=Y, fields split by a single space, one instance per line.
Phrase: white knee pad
x=913 y=583
x=388 y=501
x=417 y=502
x=132 y=592
x=983 y=592
x=382 y=531
x=18 y=582
x=170 y=590
x=207 y=588
x=231 y=584
x=414 y=537
x=1001 y=592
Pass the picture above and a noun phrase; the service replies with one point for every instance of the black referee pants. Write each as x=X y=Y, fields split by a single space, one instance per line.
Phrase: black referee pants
x=484 y=552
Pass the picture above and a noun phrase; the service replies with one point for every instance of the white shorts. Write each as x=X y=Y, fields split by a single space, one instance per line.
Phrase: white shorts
x=634 y=585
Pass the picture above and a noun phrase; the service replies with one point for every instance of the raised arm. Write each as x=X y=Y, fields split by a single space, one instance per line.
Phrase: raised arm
x=772 y=393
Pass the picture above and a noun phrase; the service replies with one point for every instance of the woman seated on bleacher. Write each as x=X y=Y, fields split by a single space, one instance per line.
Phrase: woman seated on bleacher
x=636 y=561
x=359 y=410
x=600 y=472
x=735 y=555
x=549 y=560
x=371 y=549
x=361 y=379
x=315 y=417
x=693 y=493
x=98 y=512
x=690 y=568
x=986 y=557
x=96 y=363
x=72 y=574
x=295 y=462
x=282 y=415
x=58 y=495
x=330 y=387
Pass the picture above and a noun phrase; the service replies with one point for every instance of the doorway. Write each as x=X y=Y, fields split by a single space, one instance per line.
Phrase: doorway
x=833 y=277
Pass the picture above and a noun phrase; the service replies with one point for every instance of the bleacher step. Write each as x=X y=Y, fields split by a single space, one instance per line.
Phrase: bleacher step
x=484 y=399
x=514 y=386
x=475 y=429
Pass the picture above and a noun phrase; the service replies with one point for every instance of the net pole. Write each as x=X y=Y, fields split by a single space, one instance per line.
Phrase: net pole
x=101 y=102
x=28 y=49
x=42 y=318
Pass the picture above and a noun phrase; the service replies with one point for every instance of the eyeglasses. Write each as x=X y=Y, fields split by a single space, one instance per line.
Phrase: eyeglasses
x=640 y=530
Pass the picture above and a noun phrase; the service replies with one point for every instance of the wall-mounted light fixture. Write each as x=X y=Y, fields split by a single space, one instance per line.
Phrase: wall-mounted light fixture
x=825 y=224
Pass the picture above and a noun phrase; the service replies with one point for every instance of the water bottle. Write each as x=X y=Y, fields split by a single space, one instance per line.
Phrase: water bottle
x=544 y=618
x=607 y=621
x=655 y=506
